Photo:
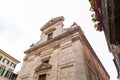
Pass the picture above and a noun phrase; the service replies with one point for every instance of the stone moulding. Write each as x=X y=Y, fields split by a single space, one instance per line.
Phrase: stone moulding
x=66 y=46
x=50 y=30
x=68 y=61
x=66 y=65
x=46 y=53
x=25 y=75
x=45 y=58
x=56 y=40
x=52 y=21
x=43 y=66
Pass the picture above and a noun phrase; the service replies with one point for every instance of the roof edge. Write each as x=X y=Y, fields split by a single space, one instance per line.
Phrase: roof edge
x=4 y=53
x=52 y=21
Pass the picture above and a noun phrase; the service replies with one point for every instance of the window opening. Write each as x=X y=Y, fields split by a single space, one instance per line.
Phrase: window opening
x=50 y=36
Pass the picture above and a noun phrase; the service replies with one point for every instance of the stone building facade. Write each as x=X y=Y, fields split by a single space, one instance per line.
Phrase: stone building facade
x=61 y=54
x=7 y=66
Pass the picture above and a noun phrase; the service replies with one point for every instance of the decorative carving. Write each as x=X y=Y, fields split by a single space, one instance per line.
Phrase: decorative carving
x=74 y=25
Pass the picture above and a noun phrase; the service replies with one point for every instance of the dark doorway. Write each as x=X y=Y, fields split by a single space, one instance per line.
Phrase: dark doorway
x=42 y=77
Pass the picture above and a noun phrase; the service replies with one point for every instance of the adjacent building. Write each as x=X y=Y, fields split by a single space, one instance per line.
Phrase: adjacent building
x=7 y=66
x=108 y=18
x=61 y=54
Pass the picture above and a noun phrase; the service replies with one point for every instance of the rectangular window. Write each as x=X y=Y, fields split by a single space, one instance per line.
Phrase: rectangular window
x=0 y=57
x=2 y=70
x=13 y=65
x=42 y=77
x=6 y=61
x=46 y=61
x=11 y=76
x=50 y=36
x=8 y=74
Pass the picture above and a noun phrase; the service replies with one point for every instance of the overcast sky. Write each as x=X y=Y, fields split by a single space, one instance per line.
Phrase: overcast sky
x=21 y=20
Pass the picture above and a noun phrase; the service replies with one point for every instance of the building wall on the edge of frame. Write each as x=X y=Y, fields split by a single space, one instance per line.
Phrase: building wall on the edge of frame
x=7 y=65
x=95 y=69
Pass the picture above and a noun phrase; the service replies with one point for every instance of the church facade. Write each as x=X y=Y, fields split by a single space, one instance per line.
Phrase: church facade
x=61 y=54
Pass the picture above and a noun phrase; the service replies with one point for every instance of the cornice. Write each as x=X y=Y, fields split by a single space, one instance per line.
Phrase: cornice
x=43 y=66
x=9 y=56
x=50 y=30
x=52 y=21
x=56 y=40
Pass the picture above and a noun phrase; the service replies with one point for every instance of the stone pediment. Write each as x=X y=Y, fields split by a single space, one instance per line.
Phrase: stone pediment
x=52 y=21
x=43 y=66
